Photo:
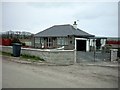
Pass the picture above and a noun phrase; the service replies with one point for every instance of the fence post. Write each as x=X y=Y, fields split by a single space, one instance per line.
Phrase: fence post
x=94 y=49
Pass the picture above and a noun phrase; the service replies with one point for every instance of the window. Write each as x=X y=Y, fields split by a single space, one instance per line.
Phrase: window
x=42 y=40
x=62 y=41
x=37 y=40
x=59 y=41
x=66 y=41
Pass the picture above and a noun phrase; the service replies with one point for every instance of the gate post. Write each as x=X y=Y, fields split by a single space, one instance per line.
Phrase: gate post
x=75 y=56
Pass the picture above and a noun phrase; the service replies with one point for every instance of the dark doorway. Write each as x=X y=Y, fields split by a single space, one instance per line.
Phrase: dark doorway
x=81 y=45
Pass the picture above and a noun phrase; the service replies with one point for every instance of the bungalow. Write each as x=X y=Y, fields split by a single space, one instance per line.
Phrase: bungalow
x=66 y=36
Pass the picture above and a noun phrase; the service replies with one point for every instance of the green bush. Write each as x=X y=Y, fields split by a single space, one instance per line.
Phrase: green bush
x=107 y=48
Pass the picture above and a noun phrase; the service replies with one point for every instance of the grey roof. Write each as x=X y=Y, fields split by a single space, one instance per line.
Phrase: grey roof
x=62 y=30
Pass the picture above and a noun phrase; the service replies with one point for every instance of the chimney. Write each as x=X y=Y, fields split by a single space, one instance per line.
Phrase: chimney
x=75 y=25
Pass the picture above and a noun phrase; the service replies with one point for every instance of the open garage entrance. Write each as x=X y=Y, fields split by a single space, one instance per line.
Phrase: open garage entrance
x=81 y=45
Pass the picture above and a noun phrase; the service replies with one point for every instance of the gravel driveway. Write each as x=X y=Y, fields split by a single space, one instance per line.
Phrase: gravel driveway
x=17 y=75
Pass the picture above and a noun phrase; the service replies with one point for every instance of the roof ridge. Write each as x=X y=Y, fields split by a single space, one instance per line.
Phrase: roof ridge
x=63 y=25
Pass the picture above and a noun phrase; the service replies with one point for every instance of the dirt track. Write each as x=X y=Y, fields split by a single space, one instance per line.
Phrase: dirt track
x=16 y=75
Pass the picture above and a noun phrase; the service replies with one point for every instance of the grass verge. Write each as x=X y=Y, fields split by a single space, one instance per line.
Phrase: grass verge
x=25 y=56
x=5 y=53
x=32 y=57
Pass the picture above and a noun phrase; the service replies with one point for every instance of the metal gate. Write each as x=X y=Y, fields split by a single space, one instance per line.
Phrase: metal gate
x=98 y=56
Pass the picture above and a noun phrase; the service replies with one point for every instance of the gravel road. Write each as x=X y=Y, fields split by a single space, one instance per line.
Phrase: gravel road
x=17 y=75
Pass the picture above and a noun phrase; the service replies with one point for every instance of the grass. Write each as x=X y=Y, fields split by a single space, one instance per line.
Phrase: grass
x=5 y=53
x=25 y=56
x=32 y=57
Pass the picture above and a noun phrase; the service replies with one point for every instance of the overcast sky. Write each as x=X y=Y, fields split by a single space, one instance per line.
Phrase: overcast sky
x=98 y=18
